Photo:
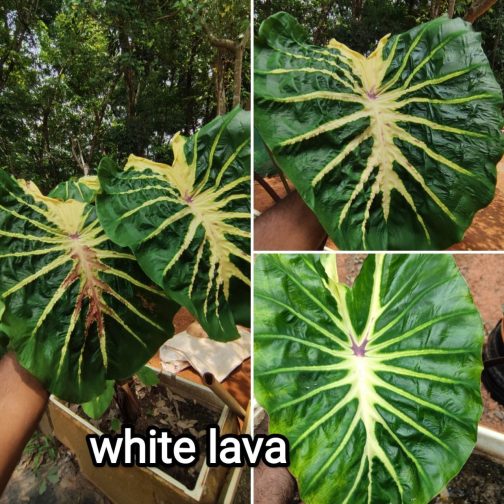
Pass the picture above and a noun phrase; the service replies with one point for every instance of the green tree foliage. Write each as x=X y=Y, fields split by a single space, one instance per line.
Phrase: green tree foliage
x=80 y=79
x=491 y=27
x=361 y=23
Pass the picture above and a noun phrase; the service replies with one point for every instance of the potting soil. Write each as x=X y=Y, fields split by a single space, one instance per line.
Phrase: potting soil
x=162 y=408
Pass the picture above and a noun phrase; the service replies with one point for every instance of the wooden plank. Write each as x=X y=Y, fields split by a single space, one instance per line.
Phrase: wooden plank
x=234 y=476
x=131 y=485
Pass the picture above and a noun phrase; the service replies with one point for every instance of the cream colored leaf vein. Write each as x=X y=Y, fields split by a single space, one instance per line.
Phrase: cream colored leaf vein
x=381 y=103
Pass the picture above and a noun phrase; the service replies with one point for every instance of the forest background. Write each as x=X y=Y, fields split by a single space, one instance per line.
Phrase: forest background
x=84 y=79
x=80 y=79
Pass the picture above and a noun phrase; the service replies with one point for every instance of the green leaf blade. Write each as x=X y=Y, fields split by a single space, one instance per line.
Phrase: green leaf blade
x=389 y=414
x=148 y=376
x=83 y=189
x=393 y=151
x=97 y=406
x=189 y=224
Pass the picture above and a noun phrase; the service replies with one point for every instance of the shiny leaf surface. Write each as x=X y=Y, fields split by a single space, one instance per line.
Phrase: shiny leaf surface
x=188 y=224
x=396 y=150
x=377 y=386
x=84 y=189
x=78 y=308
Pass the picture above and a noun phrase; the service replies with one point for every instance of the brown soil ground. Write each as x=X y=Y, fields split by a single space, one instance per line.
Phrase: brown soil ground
x=479 y=482
x=164 y=409
x=483 y=234
x=71 y=487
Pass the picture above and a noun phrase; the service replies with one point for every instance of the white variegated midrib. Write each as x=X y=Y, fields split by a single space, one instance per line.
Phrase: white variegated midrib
x=361 y=359
x=204 y=207
x=380 y=99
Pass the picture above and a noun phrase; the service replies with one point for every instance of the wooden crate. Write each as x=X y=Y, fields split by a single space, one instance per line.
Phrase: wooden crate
x=133 y=485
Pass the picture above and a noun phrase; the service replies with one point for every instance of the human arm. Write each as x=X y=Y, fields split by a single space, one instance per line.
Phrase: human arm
x=22 y=402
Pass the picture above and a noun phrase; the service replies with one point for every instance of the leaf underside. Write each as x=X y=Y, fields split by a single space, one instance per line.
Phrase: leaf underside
x=189 y=224
x=377 y=387
x=78 y=308
x=396 y=150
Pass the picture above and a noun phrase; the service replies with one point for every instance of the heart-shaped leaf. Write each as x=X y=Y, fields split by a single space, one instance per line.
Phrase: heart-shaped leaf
x=377 y=387
x=78 y=308
x=396 y=150
x=189 y=224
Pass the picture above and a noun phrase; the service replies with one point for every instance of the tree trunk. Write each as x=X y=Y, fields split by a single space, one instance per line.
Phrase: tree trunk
x=129 y=74
x=220 y=91
x=237 y=49
x=99 y=116
x=478 y=8
x=357 y=6
x=237 y=76
x=434 y=10
x=78 y=157
x=495 y=50
x=451 y=8
x=238 y=67
x=189 y=107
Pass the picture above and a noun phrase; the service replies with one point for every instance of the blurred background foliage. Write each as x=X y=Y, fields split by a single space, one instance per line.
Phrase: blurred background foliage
x=361 y=23
x=83 y=79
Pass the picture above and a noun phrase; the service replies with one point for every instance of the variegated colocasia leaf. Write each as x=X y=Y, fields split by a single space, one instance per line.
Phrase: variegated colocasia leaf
x=396 y=150
x=188 y=224
x=78 y=309
x=377 y=387
x=83 y=189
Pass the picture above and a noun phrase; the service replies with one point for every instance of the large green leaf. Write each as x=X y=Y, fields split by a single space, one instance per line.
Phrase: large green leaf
x=377 y=387
x=189 y=224
x=78 y=309
x=396 y=150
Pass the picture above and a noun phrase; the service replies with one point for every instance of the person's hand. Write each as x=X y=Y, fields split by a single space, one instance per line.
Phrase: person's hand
x=22 y=403
x=289 y=225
